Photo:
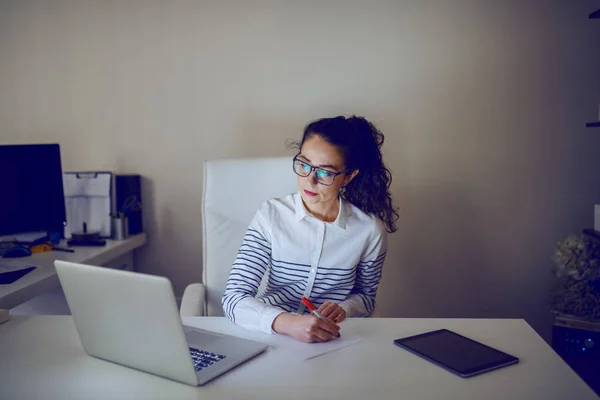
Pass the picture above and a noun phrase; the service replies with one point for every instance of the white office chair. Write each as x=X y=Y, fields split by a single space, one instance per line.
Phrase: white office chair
x=233 y=191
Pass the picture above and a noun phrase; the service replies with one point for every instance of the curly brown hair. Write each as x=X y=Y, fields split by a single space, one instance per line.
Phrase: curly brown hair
x=359 y=142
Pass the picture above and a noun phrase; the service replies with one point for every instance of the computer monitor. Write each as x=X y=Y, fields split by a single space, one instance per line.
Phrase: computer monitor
x=31 y=189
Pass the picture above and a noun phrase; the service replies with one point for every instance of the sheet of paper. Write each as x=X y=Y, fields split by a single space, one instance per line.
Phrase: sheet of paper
x=300 y=350
x=306 y=351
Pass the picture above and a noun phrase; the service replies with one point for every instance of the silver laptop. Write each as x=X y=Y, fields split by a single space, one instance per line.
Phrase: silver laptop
x=132 y=319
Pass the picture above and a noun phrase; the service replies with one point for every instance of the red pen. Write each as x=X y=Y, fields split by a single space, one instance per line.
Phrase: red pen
x=313 y=309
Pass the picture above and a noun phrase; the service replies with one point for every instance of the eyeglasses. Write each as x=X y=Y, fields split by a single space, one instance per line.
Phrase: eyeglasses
x=323 y=176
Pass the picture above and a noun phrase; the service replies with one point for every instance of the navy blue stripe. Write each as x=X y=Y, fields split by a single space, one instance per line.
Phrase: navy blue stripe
x=259 y=268
x=288 y=268
x=282 y=275
x=326 y=288
x=349 y=278
x=367 y=289
x=242 y=282
x=370 y=270
x=241 y=272
x=247 y=274
x=257 y=233
x=262 y=246
x=344 y=291
x=263 y=258
x=241 y=287
x=235 y=305
x=282 y=298
x=256 y=259
x=332 y=298
x=367 y=306
x=369 y=274
x=366 y=301
x=239 y=291
x=256 y=236
x=378 y=259
x=273 y=299
x=293 y=290
x=230 y=301
x=350 y=273
x=335 y=281
x=283 y=307
x=251 y=254
x=372 y=267
x=249 y=264
x=381 y=256
x=367 y=296
x=291 y=277
x=337 y=269
x=267 y=300
x=369 y=279
x=369 y=282
x=257 y=246
x=369 y=293
x=290 y=290
x=377 y=267
x=278 y=281
x=329 y=287
x=304 y=271
x=283 y=295
x=275 y=302
x=290 y=263
x=371 y=264
x=341 y=295
x=259 y=250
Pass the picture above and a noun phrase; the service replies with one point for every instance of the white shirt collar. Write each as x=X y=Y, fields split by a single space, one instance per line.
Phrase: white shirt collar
x=342 y=218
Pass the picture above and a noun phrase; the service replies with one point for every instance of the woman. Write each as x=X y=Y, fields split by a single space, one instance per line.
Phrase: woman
x=326 y=242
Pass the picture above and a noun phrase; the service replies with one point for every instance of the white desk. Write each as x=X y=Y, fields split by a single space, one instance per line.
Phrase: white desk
x=44 y=278
x=41 y=358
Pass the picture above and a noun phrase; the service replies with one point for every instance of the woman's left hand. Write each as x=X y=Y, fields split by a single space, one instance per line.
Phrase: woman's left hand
x=332 y=311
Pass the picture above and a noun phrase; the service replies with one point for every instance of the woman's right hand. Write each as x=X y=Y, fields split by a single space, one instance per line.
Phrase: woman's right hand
x=306 y=328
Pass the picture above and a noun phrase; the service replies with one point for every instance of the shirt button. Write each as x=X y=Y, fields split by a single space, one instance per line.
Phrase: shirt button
x=313 y=270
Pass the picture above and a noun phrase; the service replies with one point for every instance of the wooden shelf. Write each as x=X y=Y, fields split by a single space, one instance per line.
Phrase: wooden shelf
x=593 y=124
x=594 y=15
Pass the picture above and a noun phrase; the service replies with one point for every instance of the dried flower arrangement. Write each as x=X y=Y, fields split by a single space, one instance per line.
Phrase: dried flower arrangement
x=577 y=267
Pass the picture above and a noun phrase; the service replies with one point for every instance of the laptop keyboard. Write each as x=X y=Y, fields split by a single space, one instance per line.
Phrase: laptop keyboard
x=203 y=358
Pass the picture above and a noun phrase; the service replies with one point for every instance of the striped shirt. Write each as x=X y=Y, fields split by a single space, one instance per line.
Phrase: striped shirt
x=287 y=253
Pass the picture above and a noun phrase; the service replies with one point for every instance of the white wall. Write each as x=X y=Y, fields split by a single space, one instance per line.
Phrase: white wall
x=483 y=105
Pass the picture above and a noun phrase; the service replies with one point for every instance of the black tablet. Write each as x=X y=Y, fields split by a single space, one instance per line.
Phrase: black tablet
x=456 y=353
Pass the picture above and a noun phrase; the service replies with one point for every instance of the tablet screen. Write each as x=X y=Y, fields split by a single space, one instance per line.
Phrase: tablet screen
x=457 y=353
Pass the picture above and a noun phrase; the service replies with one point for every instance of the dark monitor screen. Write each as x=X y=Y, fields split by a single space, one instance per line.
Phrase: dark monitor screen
x=31 y=189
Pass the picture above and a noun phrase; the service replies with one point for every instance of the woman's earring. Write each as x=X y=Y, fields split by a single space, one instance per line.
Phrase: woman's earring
x=343 y=190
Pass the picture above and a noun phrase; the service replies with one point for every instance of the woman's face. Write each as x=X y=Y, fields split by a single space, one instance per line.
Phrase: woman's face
x=319 y=153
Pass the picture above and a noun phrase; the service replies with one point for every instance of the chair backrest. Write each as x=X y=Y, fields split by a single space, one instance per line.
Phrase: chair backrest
x=233 y=191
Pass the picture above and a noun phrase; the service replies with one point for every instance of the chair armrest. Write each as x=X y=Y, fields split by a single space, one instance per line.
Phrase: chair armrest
x=192 y=302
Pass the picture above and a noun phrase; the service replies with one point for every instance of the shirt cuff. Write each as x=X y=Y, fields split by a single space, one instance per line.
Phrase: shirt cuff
x=346 y=307
x=266 y=320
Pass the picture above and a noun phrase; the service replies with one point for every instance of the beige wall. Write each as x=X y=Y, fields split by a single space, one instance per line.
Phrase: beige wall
x=483 y=105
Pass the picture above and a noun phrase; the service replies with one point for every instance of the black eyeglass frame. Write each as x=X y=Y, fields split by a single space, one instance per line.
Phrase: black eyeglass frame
x=314 y=169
